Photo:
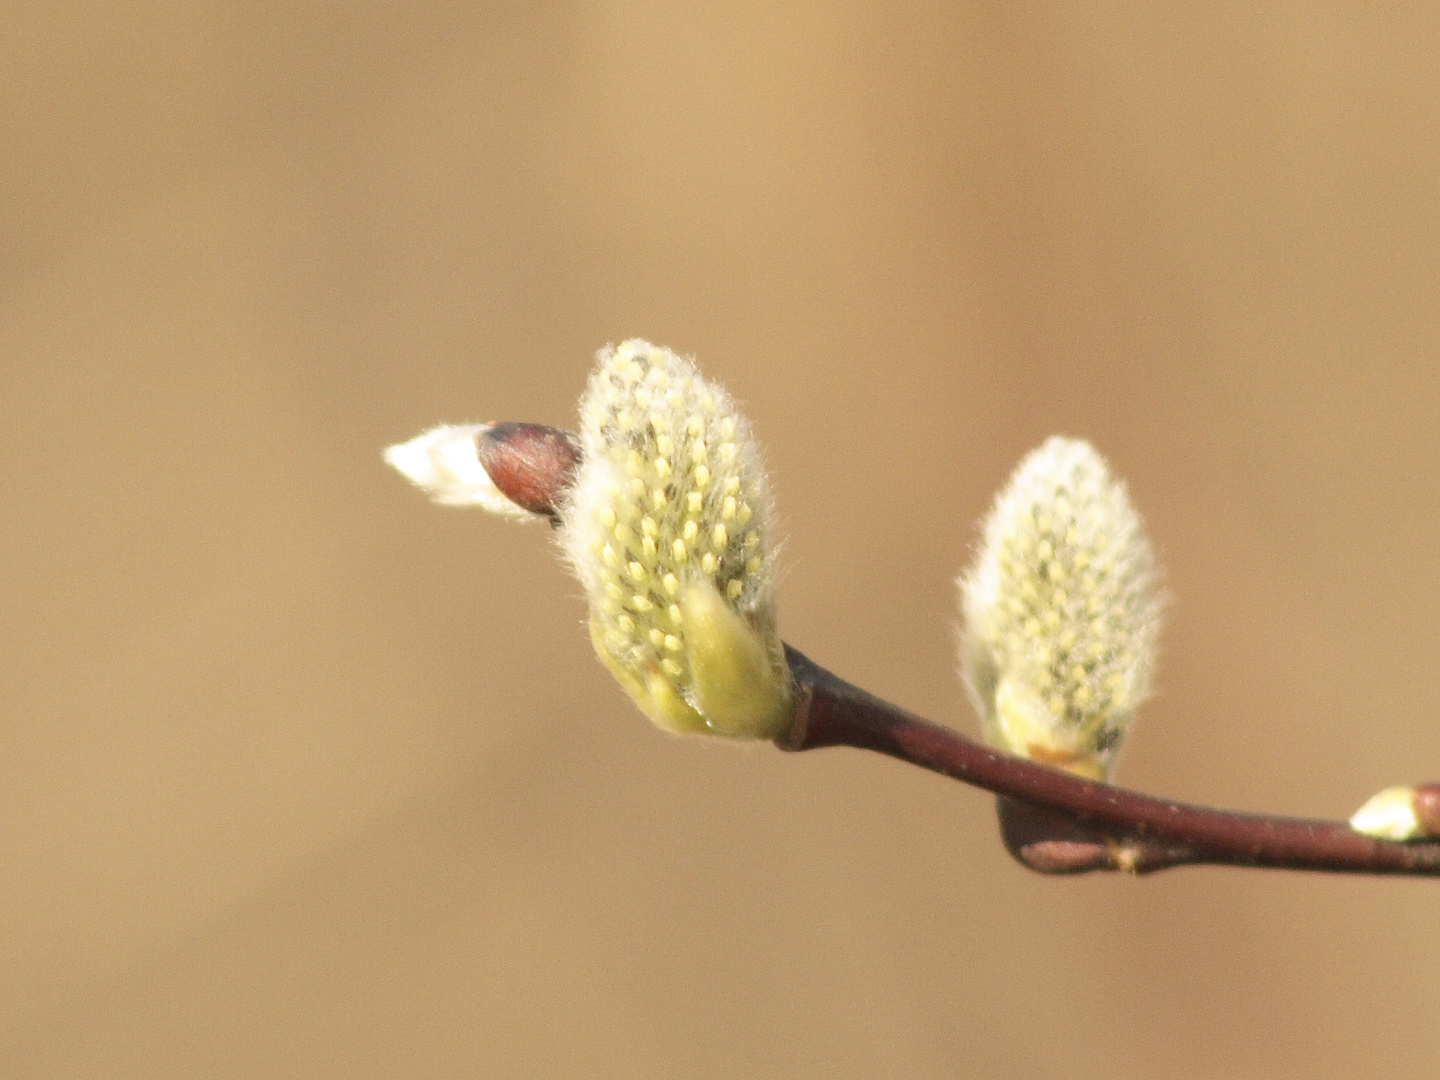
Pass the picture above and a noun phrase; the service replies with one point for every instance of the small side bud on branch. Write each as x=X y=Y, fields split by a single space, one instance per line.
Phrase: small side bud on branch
x=514 y=470
x=666 y=527
x=1401 y=813
x=1061 y=612
x=444 y=462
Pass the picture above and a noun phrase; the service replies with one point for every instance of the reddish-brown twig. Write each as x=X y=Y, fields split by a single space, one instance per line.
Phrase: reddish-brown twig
x=1068 y=824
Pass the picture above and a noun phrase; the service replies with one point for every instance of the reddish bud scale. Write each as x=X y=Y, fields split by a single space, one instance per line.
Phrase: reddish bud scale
x=533 y=465
x=1427 y=809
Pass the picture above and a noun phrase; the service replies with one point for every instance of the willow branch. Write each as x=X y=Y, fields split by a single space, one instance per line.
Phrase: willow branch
x=1060 y=823
x=1051 y=821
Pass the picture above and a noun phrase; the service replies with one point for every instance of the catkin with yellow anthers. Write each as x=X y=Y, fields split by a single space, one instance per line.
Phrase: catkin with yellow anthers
x=1061 y=612
x=683 y=611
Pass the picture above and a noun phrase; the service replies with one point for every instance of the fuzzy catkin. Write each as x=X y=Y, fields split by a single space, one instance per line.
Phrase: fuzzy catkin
x=666 y=527
x=1061 y=612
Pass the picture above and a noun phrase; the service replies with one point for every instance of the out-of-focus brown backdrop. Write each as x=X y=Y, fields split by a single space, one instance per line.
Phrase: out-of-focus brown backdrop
x=302 y=776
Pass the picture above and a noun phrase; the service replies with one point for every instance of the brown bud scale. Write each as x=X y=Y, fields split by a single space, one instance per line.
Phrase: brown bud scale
x=1427 y=809
x=533 y=465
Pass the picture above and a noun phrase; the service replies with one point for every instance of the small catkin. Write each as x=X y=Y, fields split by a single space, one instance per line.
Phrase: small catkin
x=1061 y=612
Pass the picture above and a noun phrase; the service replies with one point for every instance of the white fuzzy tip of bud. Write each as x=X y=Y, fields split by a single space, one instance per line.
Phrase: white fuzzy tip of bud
x=445 y=463
x=666 y=527
x=1389 y=815
x=1061 y=612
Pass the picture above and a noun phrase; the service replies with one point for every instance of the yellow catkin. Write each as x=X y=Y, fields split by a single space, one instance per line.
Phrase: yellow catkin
x=1056 y=651
x=668 y=505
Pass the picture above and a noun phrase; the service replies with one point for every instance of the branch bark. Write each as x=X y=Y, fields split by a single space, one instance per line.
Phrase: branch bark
x=1055 y=822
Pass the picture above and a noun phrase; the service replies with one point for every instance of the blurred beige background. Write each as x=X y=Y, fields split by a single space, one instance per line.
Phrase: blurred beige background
x=304 y=777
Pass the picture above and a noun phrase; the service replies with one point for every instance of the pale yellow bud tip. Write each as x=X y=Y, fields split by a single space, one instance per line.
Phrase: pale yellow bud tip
x=1389 y=815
